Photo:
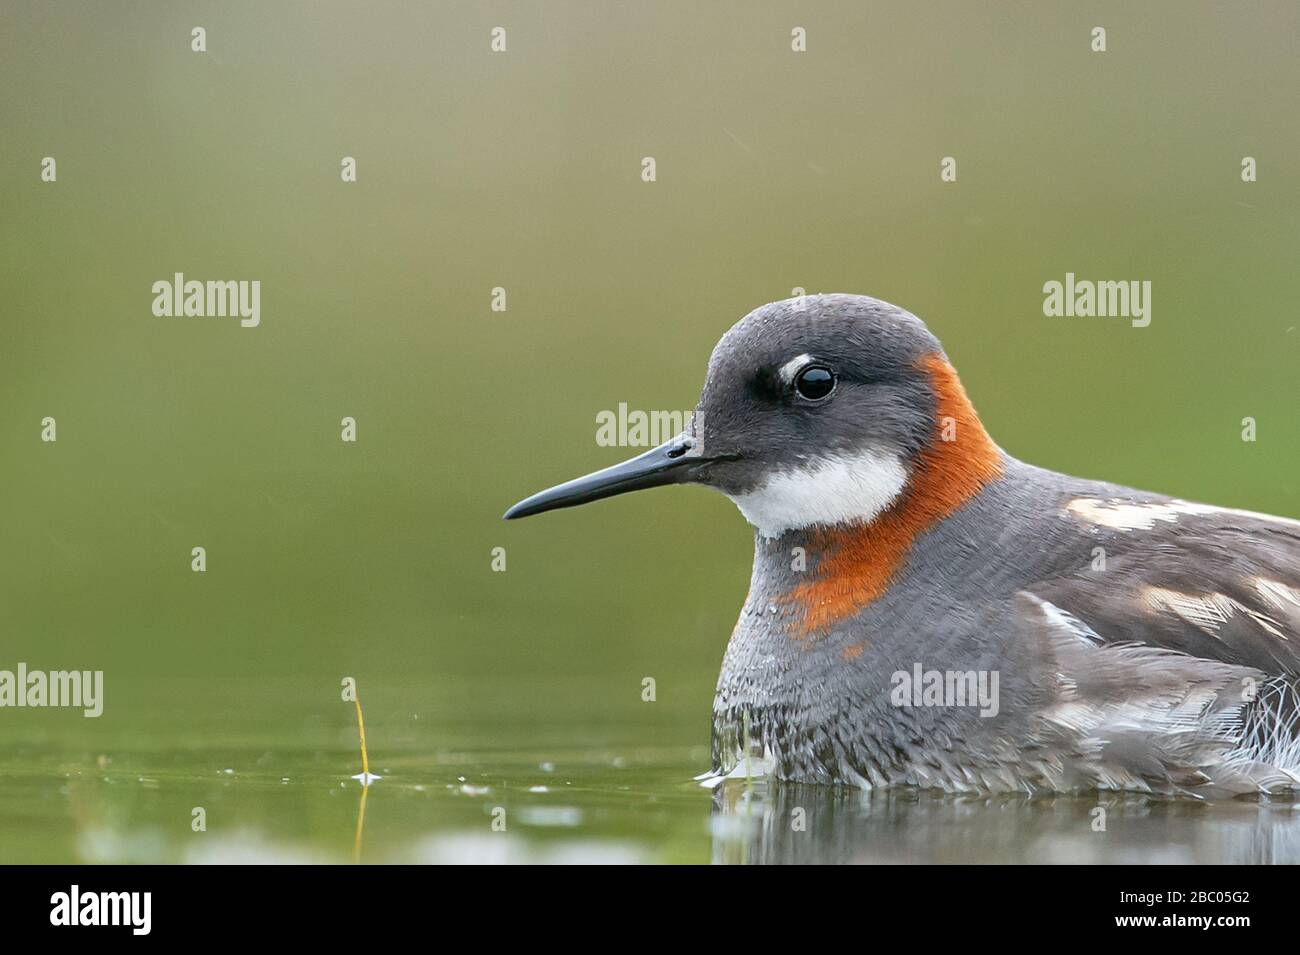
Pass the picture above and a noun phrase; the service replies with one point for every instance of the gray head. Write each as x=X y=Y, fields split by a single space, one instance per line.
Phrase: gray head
x=814 y=412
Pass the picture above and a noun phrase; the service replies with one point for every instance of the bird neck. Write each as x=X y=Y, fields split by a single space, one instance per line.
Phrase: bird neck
x=829 y=573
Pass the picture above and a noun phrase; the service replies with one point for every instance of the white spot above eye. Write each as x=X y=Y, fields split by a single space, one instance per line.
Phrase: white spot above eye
x=1142 y=515
x=791 y=368
x=835 y=490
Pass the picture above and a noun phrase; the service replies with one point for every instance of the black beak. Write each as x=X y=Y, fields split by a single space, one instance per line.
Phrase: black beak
x=673 y=462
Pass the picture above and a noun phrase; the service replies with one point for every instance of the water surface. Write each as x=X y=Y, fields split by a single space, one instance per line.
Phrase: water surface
x=278 y=788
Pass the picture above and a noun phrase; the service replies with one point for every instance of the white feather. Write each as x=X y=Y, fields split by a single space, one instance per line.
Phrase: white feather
x=1142 y=515
x=835 y=490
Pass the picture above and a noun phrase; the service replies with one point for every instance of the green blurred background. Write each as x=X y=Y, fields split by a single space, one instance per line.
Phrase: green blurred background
x=522 y=170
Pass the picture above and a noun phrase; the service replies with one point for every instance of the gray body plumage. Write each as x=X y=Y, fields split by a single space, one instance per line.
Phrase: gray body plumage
x=1102 y=685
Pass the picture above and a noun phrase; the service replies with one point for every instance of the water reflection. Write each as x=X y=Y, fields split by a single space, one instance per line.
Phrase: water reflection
x=772 y=822
x=580 y=805
x=361 y=824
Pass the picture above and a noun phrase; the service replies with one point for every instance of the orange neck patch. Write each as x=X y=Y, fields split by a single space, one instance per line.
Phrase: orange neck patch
x=858 y=563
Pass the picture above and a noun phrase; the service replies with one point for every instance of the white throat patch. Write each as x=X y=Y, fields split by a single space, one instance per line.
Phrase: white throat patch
x=834 y=490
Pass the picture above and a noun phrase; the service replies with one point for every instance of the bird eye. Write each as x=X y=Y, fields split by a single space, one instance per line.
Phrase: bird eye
x=815 y=382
